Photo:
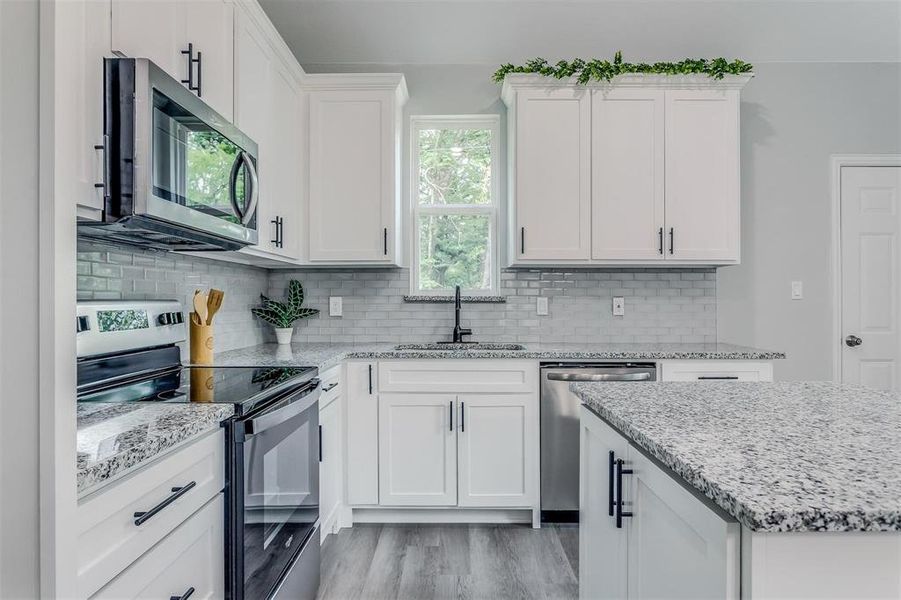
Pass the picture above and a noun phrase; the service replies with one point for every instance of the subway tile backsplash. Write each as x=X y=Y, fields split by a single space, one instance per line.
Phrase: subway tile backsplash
x=662 y=305
x=106 y=273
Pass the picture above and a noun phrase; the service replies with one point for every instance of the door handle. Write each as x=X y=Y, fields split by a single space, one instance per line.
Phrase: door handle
x=660 y=240
x=672 y=239
x=522 y=240
x=620 y=471
x=852 y=341
x=177 y=492
x=462 y=417
x=611 y=468
x=450 y=414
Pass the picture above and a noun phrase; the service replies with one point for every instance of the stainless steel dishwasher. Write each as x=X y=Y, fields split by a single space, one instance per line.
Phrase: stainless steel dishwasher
x=560 y=430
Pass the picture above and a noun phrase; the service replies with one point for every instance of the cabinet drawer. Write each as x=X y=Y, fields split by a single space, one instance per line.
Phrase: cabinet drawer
x=331 y=386
x=108 y=538
x=458 y=376
x=723 y=370
x=190 y=558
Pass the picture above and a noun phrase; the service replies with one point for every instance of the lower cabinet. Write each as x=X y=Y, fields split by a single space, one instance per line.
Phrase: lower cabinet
x=330 y=459
x=188 y=562
x=643 y=534
x=715 y=370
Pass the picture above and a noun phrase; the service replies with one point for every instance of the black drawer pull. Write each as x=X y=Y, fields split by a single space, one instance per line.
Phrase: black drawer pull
x=185 y=596
x=329 y=388
x=620 y=471
x=177 y=492
x=370 y=380
x=708 y=377
x=610 y=471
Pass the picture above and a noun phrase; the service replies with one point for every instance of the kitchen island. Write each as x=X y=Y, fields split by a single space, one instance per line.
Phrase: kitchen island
x=751 y=490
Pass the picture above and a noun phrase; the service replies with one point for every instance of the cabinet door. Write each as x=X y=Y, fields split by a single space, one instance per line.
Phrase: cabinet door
x=210 y=28
x=352 y=176
x=153 y=29
x=602 y=546
x=551 y=188
x=678 y=546
x=417 y=450
x=702 y=175
x=497 y=450
x=330 y=465
x=627 y=177
x=191 y=557
x=362 y=421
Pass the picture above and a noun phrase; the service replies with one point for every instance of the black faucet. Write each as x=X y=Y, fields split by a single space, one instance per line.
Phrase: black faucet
x=459 y=332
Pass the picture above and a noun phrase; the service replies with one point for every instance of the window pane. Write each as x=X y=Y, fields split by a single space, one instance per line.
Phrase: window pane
x=454 y=250
x=455 y=166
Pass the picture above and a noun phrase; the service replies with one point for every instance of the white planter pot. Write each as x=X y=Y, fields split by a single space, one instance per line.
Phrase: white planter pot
x=283 y=334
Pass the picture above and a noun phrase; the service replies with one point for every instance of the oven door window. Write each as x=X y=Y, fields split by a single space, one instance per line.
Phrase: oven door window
x=281 y=498
x=193 y=164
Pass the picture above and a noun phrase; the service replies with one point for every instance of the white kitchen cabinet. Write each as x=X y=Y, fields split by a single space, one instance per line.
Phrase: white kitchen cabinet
x=330 y=459
x=161 y=30
x=715 y=370
x=354 y=157
x=672 y=544
x=190 y=558
x=417 y=450
x=362 y=433
x=495 y=450
x=702 y=175
x=549 y=150
x=627 y=174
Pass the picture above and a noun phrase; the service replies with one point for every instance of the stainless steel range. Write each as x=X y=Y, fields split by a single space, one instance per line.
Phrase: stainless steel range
x=128 y=352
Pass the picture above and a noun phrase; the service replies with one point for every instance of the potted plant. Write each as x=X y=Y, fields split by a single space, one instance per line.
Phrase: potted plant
x=281 y=315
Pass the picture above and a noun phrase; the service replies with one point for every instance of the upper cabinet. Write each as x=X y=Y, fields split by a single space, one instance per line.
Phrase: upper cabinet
x=643 y=170
x=191 y=40
x=354 y=158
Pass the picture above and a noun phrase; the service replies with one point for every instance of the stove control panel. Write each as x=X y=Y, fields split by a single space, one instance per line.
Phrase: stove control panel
x=106 y=326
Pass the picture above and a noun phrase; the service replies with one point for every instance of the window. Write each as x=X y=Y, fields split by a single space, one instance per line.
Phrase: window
x=454 y=192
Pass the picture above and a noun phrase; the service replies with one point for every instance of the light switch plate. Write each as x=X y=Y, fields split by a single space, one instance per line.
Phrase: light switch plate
x=797 y=290
x=335 y=306
x=541 y=305
x=619 y=306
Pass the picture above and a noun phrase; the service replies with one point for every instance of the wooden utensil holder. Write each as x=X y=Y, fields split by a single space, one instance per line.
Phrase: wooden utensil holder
x=201 y=340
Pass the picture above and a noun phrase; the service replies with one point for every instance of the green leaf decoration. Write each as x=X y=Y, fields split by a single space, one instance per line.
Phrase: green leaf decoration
x=284 y=314
x=603 y=70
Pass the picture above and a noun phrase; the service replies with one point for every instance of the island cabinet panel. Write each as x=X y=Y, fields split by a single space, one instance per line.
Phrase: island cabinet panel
x=716 y=370
x=495 y=455
x=668 y=543
x=362 y=433
x=417 y=450
x=551 y=176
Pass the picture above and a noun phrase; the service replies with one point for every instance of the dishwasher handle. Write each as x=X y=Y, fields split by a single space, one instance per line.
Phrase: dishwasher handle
x=646 y=376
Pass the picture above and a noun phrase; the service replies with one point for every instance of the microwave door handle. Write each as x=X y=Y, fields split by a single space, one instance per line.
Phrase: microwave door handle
x=268 y=420
x=233 y=185
x=254 y=189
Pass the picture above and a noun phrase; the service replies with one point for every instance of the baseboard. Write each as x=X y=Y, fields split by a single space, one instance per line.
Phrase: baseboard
x=441 y=515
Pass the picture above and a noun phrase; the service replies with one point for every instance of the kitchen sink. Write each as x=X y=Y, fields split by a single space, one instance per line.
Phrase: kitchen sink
x=460 y=346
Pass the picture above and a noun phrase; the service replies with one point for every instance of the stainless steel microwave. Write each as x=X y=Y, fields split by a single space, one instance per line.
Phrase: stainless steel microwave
x=177 y=175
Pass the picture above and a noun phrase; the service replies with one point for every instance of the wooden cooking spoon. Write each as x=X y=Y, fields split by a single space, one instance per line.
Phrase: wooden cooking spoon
x=213 y=304
x=200 y=301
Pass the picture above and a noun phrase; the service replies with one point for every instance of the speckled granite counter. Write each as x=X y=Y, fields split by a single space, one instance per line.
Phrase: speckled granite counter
x=326 y=355
x=114 y=438
x=777 y=456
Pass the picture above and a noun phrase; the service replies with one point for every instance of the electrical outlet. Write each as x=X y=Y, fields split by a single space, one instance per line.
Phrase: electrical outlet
x=619 y=306
x=797 y=290
x=541 y=305
x=335 y=306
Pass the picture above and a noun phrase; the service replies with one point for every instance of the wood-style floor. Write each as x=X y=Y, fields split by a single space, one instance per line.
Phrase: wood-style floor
x=420 y=562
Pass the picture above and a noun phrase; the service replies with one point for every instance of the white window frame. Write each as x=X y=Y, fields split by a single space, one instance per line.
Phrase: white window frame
x=492 y=210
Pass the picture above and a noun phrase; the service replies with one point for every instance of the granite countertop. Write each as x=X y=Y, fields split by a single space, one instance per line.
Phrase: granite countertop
x=115 y=438
x=325 y=355
x=778 y=457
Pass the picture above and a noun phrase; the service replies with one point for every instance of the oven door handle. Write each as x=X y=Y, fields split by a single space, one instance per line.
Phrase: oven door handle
x=282 y=411
x=645 y=376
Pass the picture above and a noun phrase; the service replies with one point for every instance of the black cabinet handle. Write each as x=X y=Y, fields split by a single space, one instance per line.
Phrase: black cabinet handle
x=275 y=222
x=450 y=414
x=672 y=239
x=185 y=596
x=620 y=471
x=610 y=472
x=715 y=377
x=522 y=240
x=191 y=62
x=660 y=240
x=279 y=241
x=199 y=74
x=329 y=388
x=386 y=240
x=370 y=380
x=320 y=443
x=177 y=492
x=462 y=416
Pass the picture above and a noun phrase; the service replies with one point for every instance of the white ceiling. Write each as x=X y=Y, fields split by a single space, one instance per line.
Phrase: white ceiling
x=494 y=32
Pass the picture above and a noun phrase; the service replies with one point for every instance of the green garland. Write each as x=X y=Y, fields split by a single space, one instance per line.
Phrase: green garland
x=604 y=70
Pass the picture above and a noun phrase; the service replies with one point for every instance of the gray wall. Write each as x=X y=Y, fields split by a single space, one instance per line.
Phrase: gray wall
x=106 y=273
x=662 y=306
x=19 y=360
x=794 y=116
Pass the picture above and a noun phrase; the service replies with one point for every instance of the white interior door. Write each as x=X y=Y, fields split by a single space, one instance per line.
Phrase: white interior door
x=417 y=450
x=870 y=263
